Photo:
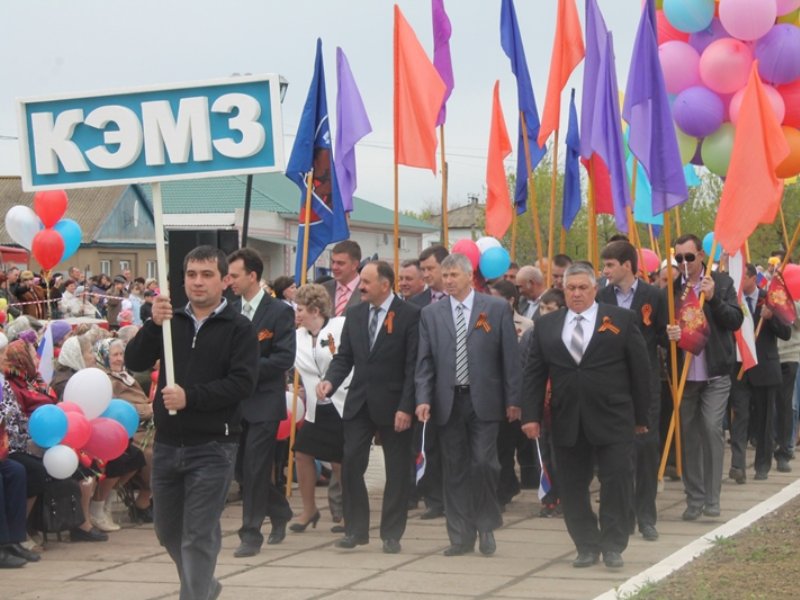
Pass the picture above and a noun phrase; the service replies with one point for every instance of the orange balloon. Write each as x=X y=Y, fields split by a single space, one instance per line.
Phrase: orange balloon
x=791 y=164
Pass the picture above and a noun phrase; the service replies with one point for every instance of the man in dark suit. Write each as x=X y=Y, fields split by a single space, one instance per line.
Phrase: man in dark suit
x=468 y=380
x=758 y=388
x=343 y=288
x=596 y=361
x=430 y=262
x=379 y=343
x=620 y=265
x=273 y=322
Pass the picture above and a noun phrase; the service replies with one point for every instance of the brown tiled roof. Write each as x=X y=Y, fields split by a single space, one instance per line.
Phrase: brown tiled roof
x=462 y=217
x=89 y=207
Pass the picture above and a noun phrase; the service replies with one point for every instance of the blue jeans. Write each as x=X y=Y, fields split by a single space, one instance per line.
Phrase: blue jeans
x=190 y=484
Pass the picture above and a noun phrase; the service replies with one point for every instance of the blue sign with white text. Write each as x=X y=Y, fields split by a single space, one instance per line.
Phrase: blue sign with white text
x=207 y=129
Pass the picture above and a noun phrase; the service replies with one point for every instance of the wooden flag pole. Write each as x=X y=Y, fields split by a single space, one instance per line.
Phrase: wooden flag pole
x=562 y=242
x=396 y=226
x=634 y=232
x=533 y=201
x=445 y=227
x=296 y=382
x=551 y=232
x=677 y=222
x=653 y=243
x=163 y=284
x=513 y=231
x=783 y=227
x=591 y=225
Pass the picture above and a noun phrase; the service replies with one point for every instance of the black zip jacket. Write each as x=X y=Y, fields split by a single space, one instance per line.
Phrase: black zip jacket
x=217 y=367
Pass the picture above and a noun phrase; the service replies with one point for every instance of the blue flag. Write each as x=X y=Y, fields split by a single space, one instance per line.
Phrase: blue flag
x=312 y=150
x=572 y=174
x=511 y=41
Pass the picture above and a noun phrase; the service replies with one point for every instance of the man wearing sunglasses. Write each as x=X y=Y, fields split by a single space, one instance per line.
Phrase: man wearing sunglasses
x=708 y=385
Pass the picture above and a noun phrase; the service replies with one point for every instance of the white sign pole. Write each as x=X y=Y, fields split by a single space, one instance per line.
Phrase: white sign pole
x=163 y=283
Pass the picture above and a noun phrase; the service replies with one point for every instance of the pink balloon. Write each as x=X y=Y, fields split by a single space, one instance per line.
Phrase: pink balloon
x=786 y=6
x=775 y=100
x=469 y=249
x=78 y=430
x=108 y=439
x=746 y=19
x=725 y=65
x=680 y=64
x=651 y=262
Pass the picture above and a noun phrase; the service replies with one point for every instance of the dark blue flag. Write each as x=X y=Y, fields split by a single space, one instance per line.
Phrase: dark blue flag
x=572 y=175
x=312 y=150
x=511 y=41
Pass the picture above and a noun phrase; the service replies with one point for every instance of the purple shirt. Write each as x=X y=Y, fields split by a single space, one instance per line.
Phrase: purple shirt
x=626 y=300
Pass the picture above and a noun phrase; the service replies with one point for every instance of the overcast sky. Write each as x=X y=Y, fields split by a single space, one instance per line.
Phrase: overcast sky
x=52 y=47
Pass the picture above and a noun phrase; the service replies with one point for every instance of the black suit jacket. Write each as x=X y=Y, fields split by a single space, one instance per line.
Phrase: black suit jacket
x=273 y=322
x=768 y=370
x=383 y=377
x=606 y=394
x=422 y=299
x=355 y=297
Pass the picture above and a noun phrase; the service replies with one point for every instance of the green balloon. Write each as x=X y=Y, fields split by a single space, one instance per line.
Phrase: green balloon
x=687 y=146
x=791 y=18
x=716 y=149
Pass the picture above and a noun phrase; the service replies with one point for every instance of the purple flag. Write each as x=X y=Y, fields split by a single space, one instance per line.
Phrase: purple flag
x=441 y=52
x=606 y=133
x=352 y=124
x=596 y=34
x=647 y=111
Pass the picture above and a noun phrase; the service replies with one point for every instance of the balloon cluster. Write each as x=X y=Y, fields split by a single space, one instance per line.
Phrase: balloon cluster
x=284 y=427
x=486 y=254
x=88 y=425
x=707 y=49
x=43 y=231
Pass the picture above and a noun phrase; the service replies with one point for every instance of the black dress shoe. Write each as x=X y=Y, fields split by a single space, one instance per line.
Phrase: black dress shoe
x=458 y=550
x=692 y=513
x=391 y=546
x=93 y=535
x=486 y=543
x=783 y=466
x=9 y=561
x=738 y=475
x=244 y=550
x=711 y=511
x=21 y=551
x=278 y=533
x=337 y=529
x=585 y=559
x=761 y=475
x=432 y=513
x=216 y=589
x=649 y=533
x=613 y=560
x=351 y=541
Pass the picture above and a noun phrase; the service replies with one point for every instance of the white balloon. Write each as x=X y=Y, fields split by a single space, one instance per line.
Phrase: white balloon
x=60 y=461
x=91 y=390
x=485 y=243
x=22 y=225
x=301 y=407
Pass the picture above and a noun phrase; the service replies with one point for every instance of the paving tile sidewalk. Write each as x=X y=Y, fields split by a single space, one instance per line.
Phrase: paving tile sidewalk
x=533 y=559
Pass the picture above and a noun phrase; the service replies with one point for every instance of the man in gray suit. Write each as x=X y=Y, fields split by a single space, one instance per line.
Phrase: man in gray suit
x=468 y=374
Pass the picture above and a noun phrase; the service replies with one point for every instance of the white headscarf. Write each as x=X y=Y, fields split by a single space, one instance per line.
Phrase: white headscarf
x=71 y=354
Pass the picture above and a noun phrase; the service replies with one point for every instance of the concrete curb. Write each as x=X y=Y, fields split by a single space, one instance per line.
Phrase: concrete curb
x=691 y=551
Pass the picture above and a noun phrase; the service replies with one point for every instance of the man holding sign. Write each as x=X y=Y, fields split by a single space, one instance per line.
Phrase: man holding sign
x=216 y=355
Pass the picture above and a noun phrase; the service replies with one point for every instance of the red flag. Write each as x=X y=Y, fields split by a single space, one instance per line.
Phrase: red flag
x=779 y=300
x=418 y=96
x=745 y=335
x=601 y=184
x=498 y=199
x=752 y=192
x=693 y=324
x=568 y=51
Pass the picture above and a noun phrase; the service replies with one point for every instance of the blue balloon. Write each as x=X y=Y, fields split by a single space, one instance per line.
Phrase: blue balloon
x=708 y=241
x=494 y=262
x=123 y=413
x=48 y=425
x=70 y=232
x=689 y=16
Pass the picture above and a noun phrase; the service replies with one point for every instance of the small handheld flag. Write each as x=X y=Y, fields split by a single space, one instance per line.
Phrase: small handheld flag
x=420 y=461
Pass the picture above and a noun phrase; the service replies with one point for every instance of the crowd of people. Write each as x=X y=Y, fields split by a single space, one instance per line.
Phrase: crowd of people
x=499 y=385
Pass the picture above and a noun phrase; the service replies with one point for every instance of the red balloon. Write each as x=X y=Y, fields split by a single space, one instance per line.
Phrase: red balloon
x=69 y=407
x=284 y=427
x=48 y=248
x=666 y=32
x=469 y=249
x=108 y=439
x=651 y=262
x=791 y=275
x=78 y=430
x=791 y=98
x=50 y=206
x=2 y=317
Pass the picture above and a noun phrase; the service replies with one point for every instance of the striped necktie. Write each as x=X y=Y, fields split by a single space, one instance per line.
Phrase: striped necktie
x=576 y=343
x=373 y=325
x=344 y=297
x=462 y=366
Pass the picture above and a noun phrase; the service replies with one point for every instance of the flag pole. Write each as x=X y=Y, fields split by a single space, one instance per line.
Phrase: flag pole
x=632 y=222
x=783 y=227
x=653 y=243
x=396 y=225
x=533 y=201
x=551 y=233
x=513 y=231
x=591 y=226
x=445 y=227
x=562 y=242
x=296 y=382
x=678 y=221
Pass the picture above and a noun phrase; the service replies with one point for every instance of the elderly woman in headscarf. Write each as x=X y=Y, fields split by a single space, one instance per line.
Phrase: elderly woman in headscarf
x=110 y=355
x=21 y=374
x=76 y=354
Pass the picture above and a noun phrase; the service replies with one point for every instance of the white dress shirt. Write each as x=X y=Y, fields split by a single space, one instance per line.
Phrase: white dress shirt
x=587 y=324
x=467 y=310
x=253 y=302
x=382 y=315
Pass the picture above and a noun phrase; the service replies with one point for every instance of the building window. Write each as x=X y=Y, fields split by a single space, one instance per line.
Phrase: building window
x=124 y=265
x=105 y=267
x=402 y=243
x=152 y=269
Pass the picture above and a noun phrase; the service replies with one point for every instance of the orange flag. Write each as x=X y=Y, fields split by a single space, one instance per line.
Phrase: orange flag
x=568 y=51
x=752 y=192
x=418 y=96
x=498 y=199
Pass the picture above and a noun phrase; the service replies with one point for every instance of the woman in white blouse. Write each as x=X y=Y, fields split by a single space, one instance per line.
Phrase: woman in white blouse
x=321 y=436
